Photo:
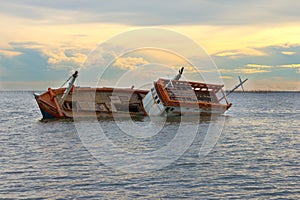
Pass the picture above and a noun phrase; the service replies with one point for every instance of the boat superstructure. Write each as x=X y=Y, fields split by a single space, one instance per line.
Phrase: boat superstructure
x=173 y=97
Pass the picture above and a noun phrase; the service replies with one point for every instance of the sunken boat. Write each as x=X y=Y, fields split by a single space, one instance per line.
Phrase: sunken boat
x=167 y=97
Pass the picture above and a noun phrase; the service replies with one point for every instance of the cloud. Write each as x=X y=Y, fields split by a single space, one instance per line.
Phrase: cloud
x=62 y=67
x=23 y=66
x=288 y=53
x=250 y=70
x=14 y=46
x=258 y=66
x=226 y=77
x=240 y=53
x=129 y=62
x=9 y=53
x=228 y=54
x=290 y=66
x=272 y=60
x=240 y=34
x=31 y=65
x=26 y=44
x=271 y=71
x=64 y=58
x=247 y=70
x=156 y=12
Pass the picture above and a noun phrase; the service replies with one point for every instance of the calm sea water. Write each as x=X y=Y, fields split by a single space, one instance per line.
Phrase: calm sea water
x=256 y=156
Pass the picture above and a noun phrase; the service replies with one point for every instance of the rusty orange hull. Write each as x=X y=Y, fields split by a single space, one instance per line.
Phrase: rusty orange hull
x=87 y=102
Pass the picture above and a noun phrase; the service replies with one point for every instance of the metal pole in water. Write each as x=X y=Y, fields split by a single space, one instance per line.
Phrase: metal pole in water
x=237 y=86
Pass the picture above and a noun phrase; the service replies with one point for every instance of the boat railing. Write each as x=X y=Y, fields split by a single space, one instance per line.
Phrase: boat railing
x=209 y=100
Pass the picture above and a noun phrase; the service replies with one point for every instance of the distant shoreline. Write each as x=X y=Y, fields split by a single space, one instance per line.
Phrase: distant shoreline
x=266 y=91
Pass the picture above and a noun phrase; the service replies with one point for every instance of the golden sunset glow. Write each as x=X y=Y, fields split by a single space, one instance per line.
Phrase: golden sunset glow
x=64 y=40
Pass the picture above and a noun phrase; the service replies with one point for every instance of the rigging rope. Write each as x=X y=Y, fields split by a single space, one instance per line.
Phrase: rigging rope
x=66 y=81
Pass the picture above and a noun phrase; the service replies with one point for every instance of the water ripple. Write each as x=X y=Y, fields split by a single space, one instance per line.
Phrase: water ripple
x=257 y=156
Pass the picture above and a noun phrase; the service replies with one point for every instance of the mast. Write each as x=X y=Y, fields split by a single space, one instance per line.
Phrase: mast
x=176 y=78
x=71 y=82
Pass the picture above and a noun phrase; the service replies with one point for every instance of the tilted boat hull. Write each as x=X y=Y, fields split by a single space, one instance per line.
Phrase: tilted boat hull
x=166 y=98
x=91 y=102
x=174 y=97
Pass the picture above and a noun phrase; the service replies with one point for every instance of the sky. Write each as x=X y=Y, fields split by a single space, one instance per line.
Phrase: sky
x=43 y=42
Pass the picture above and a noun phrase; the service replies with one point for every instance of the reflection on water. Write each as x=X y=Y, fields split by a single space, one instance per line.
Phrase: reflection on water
x=256 y=156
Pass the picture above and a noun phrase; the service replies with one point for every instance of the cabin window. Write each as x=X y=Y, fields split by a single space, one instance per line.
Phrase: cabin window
x=171 y=109
x=155 y=97
x=167 y=109
x=158 y=101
